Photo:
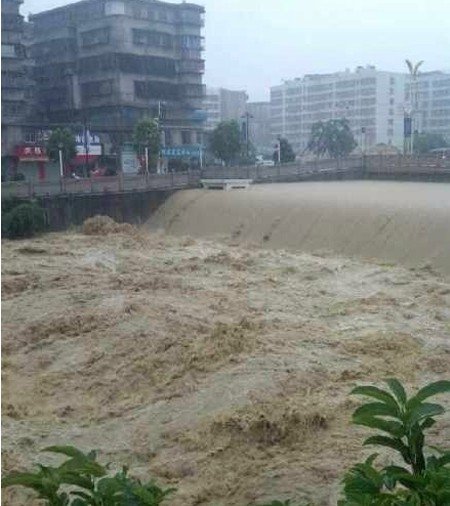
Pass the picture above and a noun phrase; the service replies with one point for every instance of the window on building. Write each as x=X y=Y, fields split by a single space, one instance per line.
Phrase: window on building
x=115 y=8
x=191 y=42
x=155 y=90
x=391 y=101
x=186 y=137
x=152 y=38
x=163 y=15
x=168 y=137
x=390 y=122
x=146 y=65
x=95 y=37
x=8 y=51
x=96 y=89
x=392 y=81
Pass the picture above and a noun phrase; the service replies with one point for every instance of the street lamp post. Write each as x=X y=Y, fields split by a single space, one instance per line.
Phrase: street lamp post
x=146 y=159
x=247 y=117
x=61 y=166
x=414 y=98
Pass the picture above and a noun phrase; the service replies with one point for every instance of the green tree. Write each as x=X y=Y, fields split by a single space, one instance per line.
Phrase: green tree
x=247 y=157
x=225 y=141
x=286 y=152
x=332 y=138
x=64 y=139
x=425 y=142
x=148 y=135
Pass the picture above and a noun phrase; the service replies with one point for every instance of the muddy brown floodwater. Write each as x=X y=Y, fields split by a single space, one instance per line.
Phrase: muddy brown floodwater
x=220 y=368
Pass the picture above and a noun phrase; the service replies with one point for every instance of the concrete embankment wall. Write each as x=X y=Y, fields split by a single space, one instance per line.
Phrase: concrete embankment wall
x=398 y=222
x=136 y=207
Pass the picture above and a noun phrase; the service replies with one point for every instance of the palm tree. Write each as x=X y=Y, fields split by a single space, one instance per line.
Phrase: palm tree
x=414 y=94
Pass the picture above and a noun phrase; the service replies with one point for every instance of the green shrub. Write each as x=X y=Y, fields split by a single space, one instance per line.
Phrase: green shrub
x=24 y=220
x=423 y=480
x=82 y=481
x=9 y=203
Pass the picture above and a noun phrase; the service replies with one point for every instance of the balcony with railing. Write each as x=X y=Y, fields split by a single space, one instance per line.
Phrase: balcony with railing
x=193 y=90
x=192 y=66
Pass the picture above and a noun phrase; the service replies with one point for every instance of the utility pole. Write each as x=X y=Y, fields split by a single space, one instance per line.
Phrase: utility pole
x=161 y=116
x=247 y=117
x=86 y=146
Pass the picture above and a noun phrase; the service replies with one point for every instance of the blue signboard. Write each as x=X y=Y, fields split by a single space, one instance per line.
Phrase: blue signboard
x=181 y=151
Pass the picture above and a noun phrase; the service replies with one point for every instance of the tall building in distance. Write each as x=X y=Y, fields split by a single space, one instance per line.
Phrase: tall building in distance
x=221 y=104
x=110 y=63
x=372 y=101
x=259 y=127
x=16 y=82
x=433 y=103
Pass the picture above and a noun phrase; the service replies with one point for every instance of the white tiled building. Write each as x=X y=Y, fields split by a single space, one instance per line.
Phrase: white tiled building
x=221 y=104
x=372 y=101
x=434 y=103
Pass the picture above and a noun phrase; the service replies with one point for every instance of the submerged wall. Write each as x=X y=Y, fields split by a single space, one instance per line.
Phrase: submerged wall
x=399 y=222
x=135 y=207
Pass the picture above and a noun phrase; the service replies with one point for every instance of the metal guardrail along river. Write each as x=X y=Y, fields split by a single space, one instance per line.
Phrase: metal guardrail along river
x=369 y=166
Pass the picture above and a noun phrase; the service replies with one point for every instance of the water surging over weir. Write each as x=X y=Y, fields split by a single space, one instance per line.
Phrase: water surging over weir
x=398 y=222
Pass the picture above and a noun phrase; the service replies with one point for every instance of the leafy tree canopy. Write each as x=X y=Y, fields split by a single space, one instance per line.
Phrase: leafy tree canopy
x=286 y=152
x=332 y=138
x=425 y=142
x=147 y=134
x=61 y=137
x=225 y=141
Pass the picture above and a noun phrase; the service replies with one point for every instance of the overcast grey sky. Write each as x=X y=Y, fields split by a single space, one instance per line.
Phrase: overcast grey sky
x=254 y=44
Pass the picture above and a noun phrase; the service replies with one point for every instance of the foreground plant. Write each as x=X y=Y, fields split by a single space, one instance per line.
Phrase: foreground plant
x=82 y=481
x=422 y=480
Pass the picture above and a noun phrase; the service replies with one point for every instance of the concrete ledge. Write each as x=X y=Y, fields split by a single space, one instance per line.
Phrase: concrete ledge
x=226 y=184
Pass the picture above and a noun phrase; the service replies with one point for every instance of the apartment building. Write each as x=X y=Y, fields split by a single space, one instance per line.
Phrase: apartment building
x=433 y=103
x=259 y=127
x=16 y=81
x=371 y=100
x=221 y=104
x=110 y=63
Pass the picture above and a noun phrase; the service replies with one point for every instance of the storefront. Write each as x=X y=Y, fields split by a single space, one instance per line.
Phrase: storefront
x=89 y=151
x=29 y=163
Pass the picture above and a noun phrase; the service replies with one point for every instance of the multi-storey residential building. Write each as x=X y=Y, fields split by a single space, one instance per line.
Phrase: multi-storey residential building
x=433 y=114
x=16 y=82
x=109 y=63
x=259 y=126
x=221 y=104
x=371 y=100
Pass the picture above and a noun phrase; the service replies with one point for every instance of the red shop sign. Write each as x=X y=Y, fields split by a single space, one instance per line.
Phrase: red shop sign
x=31 y=153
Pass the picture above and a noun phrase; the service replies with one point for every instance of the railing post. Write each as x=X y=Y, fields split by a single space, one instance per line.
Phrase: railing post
x=171 y=179
x=120 y=176
x=30 y=188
